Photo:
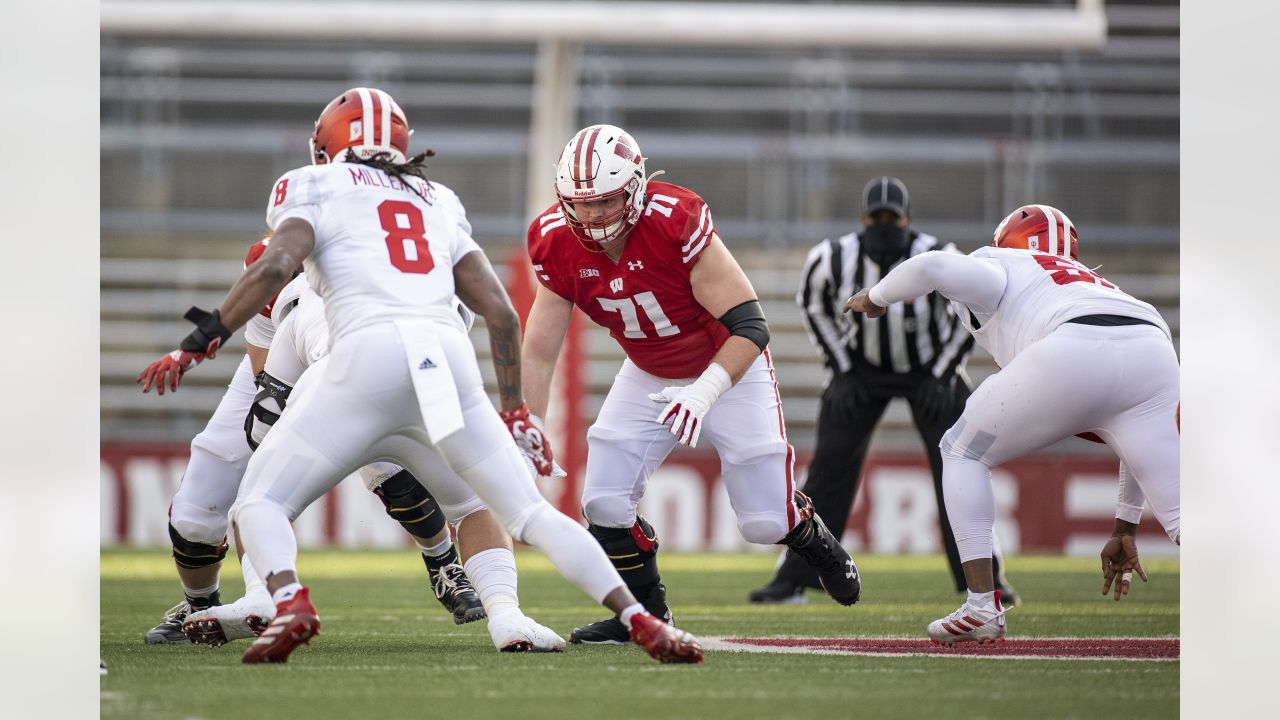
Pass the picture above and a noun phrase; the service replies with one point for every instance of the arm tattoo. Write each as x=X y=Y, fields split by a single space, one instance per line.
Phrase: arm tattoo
x=505 y=346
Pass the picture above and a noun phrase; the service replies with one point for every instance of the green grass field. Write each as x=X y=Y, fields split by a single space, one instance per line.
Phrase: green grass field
x=388 y=650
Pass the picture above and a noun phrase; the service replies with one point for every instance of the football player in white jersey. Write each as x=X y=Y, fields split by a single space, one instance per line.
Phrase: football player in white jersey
x=198 y=513
x=386 y=250
x=1077 y=356
x=301 y=340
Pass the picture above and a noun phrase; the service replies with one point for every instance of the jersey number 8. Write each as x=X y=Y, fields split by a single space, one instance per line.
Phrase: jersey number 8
x=406 y=236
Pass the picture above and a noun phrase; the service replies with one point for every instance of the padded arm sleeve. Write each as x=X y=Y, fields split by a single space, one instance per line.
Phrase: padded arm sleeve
x=971 y=281
x=747 y=320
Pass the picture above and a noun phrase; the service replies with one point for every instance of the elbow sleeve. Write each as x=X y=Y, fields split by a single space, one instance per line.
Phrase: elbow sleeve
x=746 y=320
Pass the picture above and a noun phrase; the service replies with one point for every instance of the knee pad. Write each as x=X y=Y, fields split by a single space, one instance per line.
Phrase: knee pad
x=230 y=447
x=196 y=525
x=194 y=555
x=610 y=511
x=409 y=504
x=763 y=528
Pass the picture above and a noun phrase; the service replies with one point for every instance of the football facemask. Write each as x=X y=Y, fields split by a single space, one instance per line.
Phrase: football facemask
x=600 y=163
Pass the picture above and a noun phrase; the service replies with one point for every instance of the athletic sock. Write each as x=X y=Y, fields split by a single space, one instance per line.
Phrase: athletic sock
x=286 y=593
x=629 y=612
x=254 y=588
x=438 y=555
x=493 y=573
x=985 y=601
x=201 y=598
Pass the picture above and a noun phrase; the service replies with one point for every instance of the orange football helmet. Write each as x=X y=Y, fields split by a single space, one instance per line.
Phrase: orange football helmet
x=1040 y=228
x=364 y=120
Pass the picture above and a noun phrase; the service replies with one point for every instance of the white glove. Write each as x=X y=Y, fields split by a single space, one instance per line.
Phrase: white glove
x=686 y=406
x=556 y=470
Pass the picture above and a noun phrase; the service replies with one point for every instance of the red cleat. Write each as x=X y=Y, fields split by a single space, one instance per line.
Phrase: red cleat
x=296 y=622
x=664 y=643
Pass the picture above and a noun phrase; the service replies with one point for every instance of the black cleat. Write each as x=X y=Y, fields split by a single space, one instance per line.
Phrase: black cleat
x=456 y=593
x=779 y=592
x=612 y=632
x=605 y=632
x=815 y=544
x=169 y=631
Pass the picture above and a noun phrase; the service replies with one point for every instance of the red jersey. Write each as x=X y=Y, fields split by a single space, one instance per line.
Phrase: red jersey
x=645 y=299
x=255 y=252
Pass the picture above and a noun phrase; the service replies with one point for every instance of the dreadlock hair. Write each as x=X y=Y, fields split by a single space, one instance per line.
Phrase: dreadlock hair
x=415 y=166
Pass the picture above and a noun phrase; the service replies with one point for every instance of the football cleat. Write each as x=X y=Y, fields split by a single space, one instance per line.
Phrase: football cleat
x=456 y=593
x=613 y=632
x=779 y=592
x=664 y=643
x=515 y=632
x=813 y=542
x=605 y=632
x=169 y=631
x=295 y=623
x=218 y=625
x=970 y=624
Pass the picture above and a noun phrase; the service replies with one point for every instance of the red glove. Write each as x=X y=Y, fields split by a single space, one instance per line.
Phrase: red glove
x=169 y=370
x=203 y=342
x=529 y=437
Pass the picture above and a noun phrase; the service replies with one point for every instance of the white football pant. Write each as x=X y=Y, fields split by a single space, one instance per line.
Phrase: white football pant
x=1118 y=382
x=626 y=445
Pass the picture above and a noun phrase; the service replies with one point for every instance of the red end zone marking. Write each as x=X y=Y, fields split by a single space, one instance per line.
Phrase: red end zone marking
x=1103 y=648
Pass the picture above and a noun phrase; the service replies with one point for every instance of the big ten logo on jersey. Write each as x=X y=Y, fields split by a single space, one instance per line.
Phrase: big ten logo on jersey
x=282 y=189
x=1064 y=271
x=646 y=301
x=661 y=203
x=584 y=273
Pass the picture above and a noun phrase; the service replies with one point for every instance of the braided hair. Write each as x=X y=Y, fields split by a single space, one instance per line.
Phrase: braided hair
x=415 y=166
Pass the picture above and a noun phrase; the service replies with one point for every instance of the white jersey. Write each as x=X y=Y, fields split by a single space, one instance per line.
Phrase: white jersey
x=383 y=252
x=1010 y=298
x=1041 y=292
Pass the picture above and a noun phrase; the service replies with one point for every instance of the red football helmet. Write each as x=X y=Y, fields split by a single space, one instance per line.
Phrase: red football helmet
x=1040 y=228
x=364 y=120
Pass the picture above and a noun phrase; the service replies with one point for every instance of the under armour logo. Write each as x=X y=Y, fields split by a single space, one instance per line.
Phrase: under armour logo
x=616 y=285
x=850 y=570
x=637 y=265
x=426 y=364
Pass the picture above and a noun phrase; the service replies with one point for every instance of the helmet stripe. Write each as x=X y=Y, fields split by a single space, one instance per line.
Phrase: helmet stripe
x=375 y=137
x=366 y=119
x=1067 y=227
x=387 y=105
x=586 y=158
x=1052 y=221
x=577 y=157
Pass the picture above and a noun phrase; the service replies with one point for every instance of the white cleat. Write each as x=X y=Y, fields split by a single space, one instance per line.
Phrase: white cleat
x=515 y=632
x=970 y=624
x=218 y=625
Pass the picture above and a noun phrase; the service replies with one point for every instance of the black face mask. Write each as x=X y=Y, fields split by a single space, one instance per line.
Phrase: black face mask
x=885 y=244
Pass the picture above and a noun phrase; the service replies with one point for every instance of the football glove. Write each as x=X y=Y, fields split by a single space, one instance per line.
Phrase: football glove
x=203 y=342
x=687 y=405
x=526 y=429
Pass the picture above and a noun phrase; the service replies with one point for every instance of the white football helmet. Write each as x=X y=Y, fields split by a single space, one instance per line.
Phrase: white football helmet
x=601 y=162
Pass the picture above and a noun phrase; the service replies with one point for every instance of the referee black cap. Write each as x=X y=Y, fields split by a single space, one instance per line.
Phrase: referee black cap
x=885 y=193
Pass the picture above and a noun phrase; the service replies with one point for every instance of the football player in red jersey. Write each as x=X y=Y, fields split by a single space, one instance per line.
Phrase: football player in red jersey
x=643 y=259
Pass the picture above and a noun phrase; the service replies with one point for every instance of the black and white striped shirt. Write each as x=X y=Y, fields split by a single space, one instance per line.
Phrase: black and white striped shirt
x=915 y=335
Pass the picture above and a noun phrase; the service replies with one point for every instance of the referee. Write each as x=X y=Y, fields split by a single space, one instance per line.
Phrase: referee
x=915 y=351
